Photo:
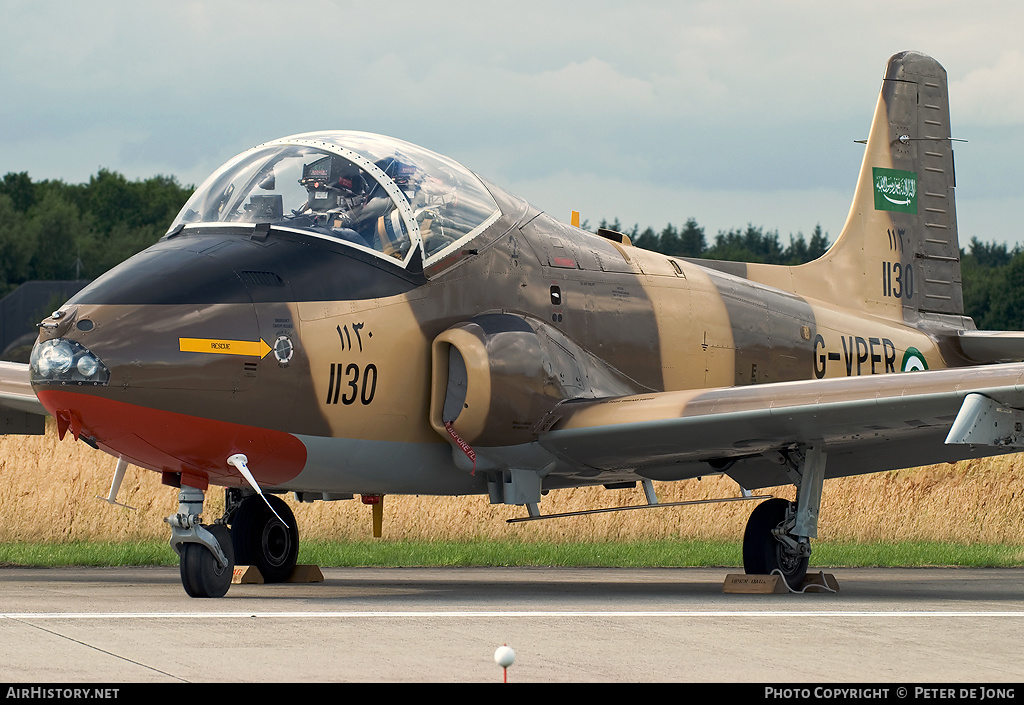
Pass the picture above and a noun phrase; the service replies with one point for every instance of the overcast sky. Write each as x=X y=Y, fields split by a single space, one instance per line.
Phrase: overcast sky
x=649 y=112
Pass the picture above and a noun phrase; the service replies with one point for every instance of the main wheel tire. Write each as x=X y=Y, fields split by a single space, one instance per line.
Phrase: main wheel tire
x=201 y=575
x=260 y=539
x=763 y=553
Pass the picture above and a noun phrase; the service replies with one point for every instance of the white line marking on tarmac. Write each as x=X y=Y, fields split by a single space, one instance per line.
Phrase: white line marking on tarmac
x=504 y=614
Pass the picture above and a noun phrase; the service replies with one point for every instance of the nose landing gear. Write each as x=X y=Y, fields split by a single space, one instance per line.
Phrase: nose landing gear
x=205 y=552
x=202 y=575
x=208 y=553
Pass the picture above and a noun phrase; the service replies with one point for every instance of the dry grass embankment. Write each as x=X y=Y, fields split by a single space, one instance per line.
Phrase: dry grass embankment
x=48 y=490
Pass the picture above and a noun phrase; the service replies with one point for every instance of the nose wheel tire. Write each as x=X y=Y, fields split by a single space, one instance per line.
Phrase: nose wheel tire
x=260 y=539
x=763 y=553
x=201 y=575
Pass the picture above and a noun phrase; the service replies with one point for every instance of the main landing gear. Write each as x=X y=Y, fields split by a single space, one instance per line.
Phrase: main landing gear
x=260 y=538
x=768 y=545
x=208 y=553
x=779 y=532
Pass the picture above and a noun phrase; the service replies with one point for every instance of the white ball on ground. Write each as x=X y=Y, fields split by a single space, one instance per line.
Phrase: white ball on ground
x=504 y=656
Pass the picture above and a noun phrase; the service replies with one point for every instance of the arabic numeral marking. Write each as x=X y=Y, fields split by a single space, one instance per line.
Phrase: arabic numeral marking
x=897 y=280
x=360 y=383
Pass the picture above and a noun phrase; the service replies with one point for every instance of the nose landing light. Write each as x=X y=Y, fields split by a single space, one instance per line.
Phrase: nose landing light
x=62 y=361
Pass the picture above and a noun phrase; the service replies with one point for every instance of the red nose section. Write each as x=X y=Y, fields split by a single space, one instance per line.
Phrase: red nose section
x=171 y=442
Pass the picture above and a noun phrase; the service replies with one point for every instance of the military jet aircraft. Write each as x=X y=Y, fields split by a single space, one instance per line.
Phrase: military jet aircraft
x=339 y=313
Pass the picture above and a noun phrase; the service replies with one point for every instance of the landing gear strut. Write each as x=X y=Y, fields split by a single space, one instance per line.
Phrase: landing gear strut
x=779 y=532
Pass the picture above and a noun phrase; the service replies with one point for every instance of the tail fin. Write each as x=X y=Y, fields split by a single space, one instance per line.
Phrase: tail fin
x=898 y=255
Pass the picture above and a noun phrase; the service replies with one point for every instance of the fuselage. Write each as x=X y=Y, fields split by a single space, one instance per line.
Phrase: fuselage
x=314 y=357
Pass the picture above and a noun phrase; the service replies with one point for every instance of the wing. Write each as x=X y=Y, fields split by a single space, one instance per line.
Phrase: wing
x=866 y=424
x=20 y=410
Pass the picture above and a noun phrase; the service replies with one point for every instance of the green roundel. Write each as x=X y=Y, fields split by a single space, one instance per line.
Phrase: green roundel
x=913 y=360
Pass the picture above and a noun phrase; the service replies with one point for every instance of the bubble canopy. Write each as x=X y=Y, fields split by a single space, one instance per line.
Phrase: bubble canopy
x=378 y=194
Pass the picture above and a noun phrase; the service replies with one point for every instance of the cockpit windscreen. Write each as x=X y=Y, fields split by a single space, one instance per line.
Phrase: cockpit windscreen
x=372 y=192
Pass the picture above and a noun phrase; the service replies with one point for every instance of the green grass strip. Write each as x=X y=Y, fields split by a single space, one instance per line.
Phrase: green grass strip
x=87 y=553
x=493 y=553
x=916 y=554
x=637 y=554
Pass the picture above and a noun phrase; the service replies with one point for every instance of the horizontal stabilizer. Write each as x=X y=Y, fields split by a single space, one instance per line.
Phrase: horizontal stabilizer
x=992 y=346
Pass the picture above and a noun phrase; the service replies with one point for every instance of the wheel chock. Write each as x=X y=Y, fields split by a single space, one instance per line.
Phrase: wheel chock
x=246 y=575
x=250 y=575
x=824 y=582
x=754 y=584
x=768 y=584
x=306 y=574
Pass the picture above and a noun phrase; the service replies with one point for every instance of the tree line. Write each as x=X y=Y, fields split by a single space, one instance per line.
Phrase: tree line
x=51 y=230
x=993 y=278
x=750 y=244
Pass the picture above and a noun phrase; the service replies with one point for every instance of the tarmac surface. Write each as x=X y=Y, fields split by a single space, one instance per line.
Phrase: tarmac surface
x=136 y=625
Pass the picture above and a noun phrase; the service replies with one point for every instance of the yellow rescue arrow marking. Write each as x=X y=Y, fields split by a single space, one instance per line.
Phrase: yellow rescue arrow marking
x=257 y=348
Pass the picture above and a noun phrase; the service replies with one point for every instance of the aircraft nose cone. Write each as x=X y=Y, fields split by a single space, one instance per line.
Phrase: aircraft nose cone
x=187 y=359
x=178 y=337
x=174 y=328
x=175 y=317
